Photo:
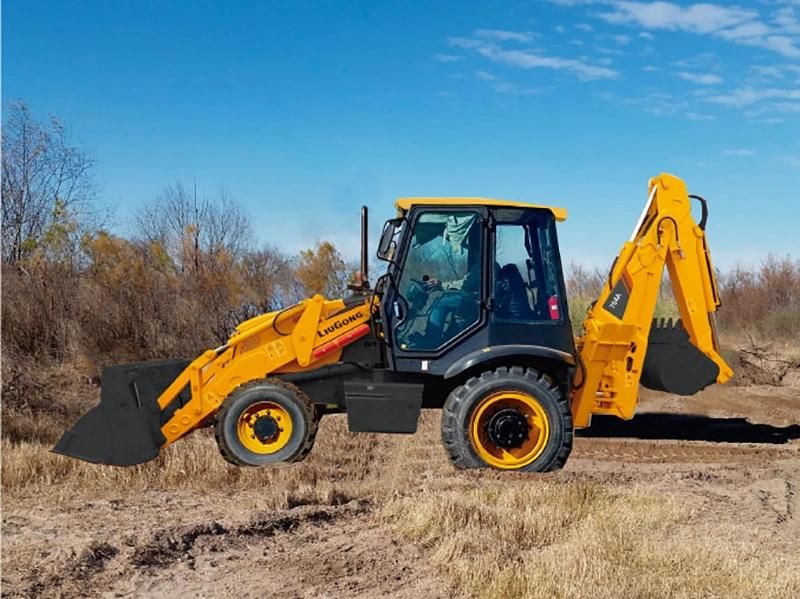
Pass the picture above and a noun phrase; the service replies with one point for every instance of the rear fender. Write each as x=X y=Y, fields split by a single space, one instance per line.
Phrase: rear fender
x=490 y=357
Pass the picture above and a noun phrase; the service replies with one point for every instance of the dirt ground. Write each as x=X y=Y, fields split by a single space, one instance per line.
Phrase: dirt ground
x=732 y=454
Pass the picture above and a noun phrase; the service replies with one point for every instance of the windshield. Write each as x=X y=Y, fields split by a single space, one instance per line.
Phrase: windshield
x=441 y=279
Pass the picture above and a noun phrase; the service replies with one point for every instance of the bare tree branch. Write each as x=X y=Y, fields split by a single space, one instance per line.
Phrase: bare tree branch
x=43 y=176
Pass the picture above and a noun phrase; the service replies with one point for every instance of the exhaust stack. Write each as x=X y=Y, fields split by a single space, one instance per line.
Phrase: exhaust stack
x=364 y=247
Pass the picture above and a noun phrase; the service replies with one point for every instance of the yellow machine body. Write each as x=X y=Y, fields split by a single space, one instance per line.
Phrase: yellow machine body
x=306 y=336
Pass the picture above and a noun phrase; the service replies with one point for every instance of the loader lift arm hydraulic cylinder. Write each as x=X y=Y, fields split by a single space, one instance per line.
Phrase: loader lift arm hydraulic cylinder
x=619 y=349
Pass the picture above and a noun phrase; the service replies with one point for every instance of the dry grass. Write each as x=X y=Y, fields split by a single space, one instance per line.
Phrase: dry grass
x=490 y=534
x=195 y=464
x=551 y=539
x=341 y=467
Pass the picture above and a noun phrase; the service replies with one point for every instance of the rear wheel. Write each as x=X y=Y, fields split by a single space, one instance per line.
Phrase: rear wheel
x=265 y=422
x=509 y=419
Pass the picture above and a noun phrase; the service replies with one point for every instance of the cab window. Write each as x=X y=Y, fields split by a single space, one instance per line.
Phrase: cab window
x=526 y=277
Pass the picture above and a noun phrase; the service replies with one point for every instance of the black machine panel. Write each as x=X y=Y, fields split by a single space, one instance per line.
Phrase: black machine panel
x=379 y=407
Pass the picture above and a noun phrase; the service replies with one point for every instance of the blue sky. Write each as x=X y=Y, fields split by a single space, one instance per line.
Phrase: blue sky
x=302 y=111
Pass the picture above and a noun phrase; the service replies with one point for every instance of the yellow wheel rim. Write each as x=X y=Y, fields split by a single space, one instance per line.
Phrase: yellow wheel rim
x=529 y=449
x=264 y=427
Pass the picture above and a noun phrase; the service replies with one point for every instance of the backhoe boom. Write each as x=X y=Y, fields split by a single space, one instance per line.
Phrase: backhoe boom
x=619 y=349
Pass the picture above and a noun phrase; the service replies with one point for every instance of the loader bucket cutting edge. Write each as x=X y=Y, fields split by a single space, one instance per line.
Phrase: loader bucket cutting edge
x=124 y=429
x=673 y=364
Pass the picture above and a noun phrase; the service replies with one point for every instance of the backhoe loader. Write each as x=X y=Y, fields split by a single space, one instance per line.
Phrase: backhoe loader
x=470 y=317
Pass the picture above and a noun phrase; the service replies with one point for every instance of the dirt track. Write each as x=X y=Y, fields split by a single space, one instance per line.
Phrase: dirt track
x=731 y=453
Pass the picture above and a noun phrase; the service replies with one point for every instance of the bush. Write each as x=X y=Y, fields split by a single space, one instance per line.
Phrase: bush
x=763 y=301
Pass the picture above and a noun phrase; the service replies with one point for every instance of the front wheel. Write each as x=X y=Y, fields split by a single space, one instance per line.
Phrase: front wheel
x=265 y=422
x=509 y=419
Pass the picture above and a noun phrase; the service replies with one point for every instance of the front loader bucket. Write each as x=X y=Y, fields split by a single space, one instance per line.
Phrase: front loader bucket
x=125 y=427
x=673 y=364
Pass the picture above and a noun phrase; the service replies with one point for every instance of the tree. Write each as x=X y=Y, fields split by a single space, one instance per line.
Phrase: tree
x=44 y=178
x=323 y=270
x=196 y=231
x=269 y=277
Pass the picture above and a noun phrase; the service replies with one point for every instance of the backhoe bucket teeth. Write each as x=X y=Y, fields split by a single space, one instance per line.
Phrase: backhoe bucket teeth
x=125 y=427
x=673 y=364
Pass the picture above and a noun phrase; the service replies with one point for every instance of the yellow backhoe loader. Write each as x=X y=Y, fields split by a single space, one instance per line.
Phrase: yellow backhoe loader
x=471 y=318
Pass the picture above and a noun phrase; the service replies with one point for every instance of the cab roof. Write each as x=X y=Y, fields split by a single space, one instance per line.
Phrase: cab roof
x=405 y=204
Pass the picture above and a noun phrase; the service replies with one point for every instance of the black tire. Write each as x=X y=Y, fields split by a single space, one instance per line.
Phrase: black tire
x=305 y=422
x=462 y=401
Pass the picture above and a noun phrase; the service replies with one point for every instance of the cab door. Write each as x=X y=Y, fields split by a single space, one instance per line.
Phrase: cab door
x=440 y=284
x=528 y=298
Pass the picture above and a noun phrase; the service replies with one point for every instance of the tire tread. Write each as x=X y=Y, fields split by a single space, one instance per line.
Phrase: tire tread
x=455 y=439
x=304 y=402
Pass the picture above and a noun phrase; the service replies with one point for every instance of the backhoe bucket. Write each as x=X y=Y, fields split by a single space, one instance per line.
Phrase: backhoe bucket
x=673 y=364
x=125 y=427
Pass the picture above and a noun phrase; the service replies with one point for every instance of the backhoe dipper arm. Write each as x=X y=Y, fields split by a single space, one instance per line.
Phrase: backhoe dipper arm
x=619 y=349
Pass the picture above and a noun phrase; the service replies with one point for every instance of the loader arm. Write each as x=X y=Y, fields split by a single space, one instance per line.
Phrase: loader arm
x=619 y=349
x=145 y=407
x=305 y=336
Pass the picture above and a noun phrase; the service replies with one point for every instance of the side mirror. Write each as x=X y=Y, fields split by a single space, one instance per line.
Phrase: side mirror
x=387 y=238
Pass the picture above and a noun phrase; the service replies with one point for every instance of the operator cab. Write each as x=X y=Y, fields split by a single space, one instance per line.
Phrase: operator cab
x=468 y=274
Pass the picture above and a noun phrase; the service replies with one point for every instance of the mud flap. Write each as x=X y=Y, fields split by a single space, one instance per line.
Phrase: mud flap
x=673 y=364
x=124 y=429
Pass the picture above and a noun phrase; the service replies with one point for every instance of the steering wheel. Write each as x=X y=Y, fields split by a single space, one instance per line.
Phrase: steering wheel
x=418 y=292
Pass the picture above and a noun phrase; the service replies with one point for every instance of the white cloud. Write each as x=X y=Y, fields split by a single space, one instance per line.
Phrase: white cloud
x=464 y=42
x=584 y=27
x=646 y=35
x=747 y=95
x=703 y=60
x=787 y=19
x=504 y=87
x=745 y=30
x=695 y=116
x=651 y=68
x=767 y=72
x=699 y=78
x=611 y=51
x=739 y=25
x=786 y=106
x=696 y=18
x=528 y=59
x=779 y=43
x=622 y=40
x=508 y=87
x=446 y=58
x=501 y=35
x=659 y=104
x=739 y=152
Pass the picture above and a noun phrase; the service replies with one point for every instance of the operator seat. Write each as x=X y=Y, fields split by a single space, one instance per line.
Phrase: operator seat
x=512 y=294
